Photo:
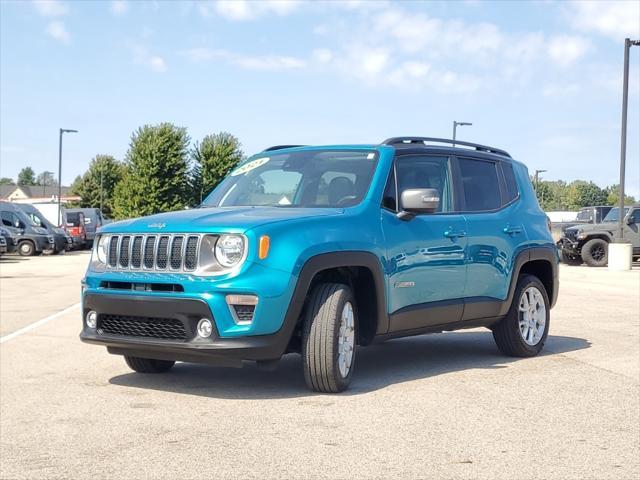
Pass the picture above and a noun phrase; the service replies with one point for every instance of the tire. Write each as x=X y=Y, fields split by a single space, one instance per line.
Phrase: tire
x=325 y=369
x=148 y=365
x=595 y=252
x=508 y=333
x=26 y=249
x=572 y=260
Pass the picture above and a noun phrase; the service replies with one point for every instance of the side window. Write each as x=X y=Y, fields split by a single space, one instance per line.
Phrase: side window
x=6 y=219
x=421 y=171
x=636 y=215
x=481 y=189
x=510 y=182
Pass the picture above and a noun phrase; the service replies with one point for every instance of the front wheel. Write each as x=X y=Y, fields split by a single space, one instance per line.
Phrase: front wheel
x=148 y=365
x=26 y=249
x=524 y=330
x=595 y=252
x=329 y=338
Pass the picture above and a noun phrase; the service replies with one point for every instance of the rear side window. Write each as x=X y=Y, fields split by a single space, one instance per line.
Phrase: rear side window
x=480 y=185
x=511 y=185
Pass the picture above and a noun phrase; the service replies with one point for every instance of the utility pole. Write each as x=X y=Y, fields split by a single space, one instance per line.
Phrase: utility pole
x=101 y=175
x=455 y=126
x=535 y=183
x=62 y=130
x=623 y=135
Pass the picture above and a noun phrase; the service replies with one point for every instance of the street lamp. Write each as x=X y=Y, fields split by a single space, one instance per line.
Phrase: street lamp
x=62 y=130
x=455 y=126
x=623 y=136
x=536 y=178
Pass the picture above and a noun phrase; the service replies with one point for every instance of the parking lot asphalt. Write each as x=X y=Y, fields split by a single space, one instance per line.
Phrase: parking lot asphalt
x=437 y=406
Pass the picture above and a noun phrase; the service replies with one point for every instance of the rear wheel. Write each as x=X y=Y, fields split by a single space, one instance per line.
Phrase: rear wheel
x=26 y=249
x=329 y=338
x=595 y=252
x=524 y=330
x=571 y=259
x=148 y=365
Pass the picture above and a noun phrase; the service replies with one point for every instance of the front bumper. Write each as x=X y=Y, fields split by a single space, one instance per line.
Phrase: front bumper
x=215 y=349
x=568 y=246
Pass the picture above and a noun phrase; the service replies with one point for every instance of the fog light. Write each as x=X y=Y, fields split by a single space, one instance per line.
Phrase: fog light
x=92 y=319
x=205 y=327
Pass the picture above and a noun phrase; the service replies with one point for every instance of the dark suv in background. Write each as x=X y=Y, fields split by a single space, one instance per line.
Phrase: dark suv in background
x=589 y=243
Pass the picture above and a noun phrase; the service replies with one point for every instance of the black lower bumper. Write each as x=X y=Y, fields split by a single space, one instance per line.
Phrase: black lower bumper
x=214 y=350
x=568 y=246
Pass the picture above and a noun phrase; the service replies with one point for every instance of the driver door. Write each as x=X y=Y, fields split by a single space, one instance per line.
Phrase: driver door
x=426 y=254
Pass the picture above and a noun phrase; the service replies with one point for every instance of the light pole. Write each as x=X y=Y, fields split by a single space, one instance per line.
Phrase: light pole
x=101 y=175
x=62 y=130
x=623 y=136
x=537 y=178
x=455 y=126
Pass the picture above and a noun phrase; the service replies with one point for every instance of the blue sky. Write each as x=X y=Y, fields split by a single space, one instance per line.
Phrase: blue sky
x=540 y=79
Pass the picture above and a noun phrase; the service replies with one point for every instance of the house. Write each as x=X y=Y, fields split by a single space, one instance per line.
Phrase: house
x=35 y=194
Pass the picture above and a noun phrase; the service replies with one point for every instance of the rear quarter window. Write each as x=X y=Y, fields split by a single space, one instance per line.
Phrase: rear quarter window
x=511 y=186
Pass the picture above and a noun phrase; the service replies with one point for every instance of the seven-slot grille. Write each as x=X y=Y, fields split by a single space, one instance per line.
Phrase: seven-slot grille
x=175 y=252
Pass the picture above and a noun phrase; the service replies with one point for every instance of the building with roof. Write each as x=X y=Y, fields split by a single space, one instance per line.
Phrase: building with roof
x=35 y=194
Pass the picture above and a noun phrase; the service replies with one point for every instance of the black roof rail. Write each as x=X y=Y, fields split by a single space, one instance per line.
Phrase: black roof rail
x=422 y=140
x=280 y=147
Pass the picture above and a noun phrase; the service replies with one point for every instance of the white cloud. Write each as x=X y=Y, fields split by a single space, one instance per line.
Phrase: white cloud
x=119 y=7
x=57 y=30
x=269 y=62
x=50 y=8
x=142 y=56
x=322 y=55
x=241 y=10
x=565 y=49
x=248 y=62
x=615 y=19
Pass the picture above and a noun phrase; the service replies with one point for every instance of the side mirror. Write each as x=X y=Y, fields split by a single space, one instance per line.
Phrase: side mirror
x=631 y=220
x=419 y=200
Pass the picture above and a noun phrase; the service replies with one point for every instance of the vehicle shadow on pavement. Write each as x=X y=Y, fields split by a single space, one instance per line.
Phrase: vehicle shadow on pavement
x=377 y=367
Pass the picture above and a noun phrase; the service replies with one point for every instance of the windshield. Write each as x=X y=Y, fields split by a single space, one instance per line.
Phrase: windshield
x=307 y=178
x=612 y=216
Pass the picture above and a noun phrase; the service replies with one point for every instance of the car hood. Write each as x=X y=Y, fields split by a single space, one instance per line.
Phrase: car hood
x=237 y=219
x=590 y=227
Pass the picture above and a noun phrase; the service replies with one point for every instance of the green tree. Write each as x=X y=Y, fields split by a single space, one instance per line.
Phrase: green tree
x=97 y=186
x=27 y=176
x=156 y=176
x=6 y=181
x=583 y=194
x=613 y=196
x=213 y=158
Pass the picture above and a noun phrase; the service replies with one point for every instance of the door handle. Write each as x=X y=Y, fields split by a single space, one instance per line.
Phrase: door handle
x=454 y=233
x=512 y=230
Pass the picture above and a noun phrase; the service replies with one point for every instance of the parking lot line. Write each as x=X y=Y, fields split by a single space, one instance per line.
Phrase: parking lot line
x=40 y=322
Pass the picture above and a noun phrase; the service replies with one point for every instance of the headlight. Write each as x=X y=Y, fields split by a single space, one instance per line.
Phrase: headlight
x=580 y=234
x=101 y=248
x=230 y=250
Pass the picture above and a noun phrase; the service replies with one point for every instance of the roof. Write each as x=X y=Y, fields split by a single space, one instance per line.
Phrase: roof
x=33 y=191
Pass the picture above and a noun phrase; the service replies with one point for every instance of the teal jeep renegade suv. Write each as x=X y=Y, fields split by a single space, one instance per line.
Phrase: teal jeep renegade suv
x=316 y=250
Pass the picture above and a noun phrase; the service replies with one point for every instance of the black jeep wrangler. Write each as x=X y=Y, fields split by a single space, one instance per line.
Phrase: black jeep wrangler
x=589 y=243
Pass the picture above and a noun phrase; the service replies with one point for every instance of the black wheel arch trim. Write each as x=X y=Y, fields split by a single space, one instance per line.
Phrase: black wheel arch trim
x=352 y=258
x=545 y=253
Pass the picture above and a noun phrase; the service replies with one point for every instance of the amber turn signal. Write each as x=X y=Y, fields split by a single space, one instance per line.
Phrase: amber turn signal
x=263 y=249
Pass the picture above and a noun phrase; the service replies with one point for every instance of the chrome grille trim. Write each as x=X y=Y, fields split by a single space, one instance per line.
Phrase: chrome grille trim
x=141 y=252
